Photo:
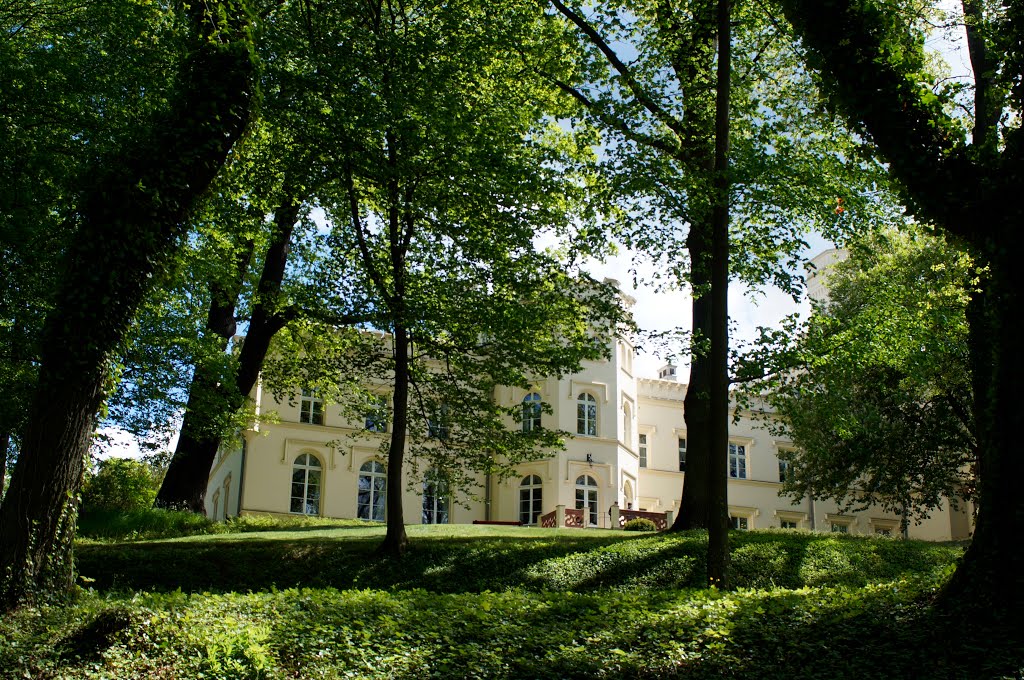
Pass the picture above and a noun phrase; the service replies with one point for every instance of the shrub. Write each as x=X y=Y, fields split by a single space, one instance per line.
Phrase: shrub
x=143 y=524
x=640 y=524
x=120 y=484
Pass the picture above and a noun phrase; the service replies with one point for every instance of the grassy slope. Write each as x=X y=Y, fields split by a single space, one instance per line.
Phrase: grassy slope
x=498 y=602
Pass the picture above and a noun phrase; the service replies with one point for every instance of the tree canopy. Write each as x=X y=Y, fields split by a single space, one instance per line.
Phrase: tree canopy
x=874 y=389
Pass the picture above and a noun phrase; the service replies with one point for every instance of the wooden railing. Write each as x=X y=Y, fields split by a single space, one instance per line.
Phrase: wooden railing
x=548 y=521
x=659 y=518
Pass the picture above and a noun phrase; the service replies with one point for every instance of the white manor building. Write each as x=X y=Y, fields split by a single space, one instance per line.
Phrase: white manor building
x=627 y=452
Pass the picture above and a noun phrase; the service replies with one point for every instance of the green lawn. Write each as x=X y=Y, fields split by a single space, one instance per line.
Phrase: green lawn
x=311 y=600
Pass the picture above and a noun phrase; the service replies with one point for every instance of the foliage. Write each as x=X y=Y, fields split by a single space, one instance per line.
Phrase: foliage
x=640 y=524
x=447 y=169
x=120 y=484
x=427 y=623
x=874 y=389
x=143 y=524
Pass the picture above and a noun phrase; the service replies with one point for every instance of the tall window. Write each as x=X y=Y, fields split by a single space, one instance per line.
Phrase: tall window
x=437 y=426
x=435 y=500
x=531 y=495
x=377 y=416
x=373 y=491
x=586 y=414
x=311 y=408
x=643 y=450
x=784 y=470
x=627 y=424
x=682 y=454
x=738 y=461
x=306 y=485
x=586 y=498
x=531 y=412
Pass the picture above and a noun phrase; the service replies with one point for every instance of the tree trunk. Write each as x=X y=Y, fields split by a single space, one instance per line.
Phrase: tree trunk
x=396 y=541
x=5 y=445
x=692 y=64
x=187 y=477
x=695 y=506
x=718 y=523
x=129 y=222
x=988 y=586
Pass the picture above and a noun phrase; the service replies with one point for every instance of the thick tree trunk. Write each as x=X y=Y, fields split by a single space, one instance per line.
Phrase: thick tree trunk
x=988 y=586
x=695 y=506
x=185 y=484
x=718 y=523
x=395 y=540
x=129 y=223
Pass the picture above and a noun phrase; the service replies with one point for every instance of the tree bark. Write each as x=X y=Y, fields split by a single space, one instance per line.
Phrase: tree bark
x=185 y=483
x=130 y=219
x=395 y=540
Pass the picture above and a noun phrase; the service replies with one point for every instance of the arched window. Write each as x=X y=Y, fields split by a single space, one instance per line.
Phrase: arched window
x=435 y=500
x=306 y=485
x=373 y=491
x=531 y=412
x=586 y=498
x=530 y=499
x=586 y=414
x=627 y=492
x=216 y=504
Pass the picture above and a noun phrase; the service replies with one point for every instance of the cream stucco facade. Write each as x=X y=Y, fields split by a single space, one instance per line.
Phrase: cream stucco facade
x=624 y=450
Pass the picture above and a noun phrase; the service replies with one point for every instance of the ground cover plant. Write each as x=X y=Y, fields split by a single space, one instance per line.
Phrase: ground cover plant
x=311 y=600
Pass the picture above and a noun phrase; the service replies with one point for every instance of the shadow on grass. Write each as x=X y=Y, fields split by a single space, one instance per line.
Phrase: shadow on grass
x=472 y=564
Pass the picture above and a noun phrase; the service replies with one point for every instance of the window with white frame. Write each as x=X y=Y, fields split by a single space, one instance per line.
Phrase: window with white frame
x=586 y=499
x=531 y=412
x=531 y=499
x=643 y=450
x=737 y=461
x=586 y=414
x=311 y=408
x=785 y=470
x=437 y=426
x=306 y=479
x=739 y=522
x=682 y=454
x=216 y=503
x=788 y=524
x=373 y=488
x=884 y=527
x=435 y=500
x=377 y=417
